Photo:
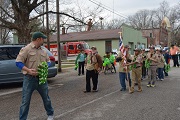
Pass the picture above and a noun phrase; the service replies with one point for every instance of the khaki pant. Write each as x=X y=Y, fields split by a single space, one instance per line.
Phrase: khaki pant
x=152 y=74
x=136 y=74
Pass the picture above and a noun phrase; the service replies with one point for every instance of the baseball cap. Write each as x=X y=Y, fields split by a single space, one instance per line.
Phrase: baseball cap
x=126 y=46
x=137 y=49
x=36 y=35
x=151 y=47
x=93 y=47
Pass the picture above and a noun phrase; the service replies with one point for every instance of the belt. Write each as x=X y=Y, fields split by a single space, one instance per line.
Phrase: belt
x=31 y=76
x=138 y=66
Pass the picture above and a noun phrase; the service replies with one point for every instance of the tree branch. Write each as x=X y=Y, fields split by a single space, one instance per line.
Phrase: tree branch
x=7 y=24
x=15 y=5
x=76 y=19
x=6 y=12
x=35 y=4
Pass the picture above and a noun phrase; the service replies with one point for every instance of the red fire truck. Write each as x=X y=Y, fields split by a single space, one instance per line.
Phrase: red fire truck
x=71 y=48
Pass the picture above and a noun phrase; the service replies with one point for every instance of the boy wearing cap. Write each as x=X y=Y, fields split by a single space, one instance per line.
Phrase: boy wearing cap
x=152 y=57
x=123 y=72
x=136 y=70
x=28 y=60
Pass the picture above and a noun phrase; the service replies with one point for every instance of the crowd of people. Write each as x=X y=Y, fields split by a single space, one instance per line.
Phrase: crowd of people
x=153 y=64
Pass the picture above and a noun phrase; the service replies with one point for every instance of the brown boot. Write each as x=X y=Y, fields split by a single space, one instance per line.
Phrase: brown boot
x=139 y=90
x=131 y=90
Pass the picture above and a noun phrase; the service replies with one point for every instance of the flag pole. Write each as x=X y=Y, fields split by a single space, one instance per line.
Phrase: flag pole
x=126 y=67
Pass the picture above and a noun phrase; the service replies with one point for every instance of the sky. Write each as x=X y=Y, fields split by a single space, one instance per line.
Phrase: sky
x=128 y=7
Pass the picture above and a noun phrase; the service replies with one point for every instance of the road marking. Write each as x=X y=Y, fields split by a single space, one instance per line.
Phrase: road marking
x=74 y=109
x=20 y=89
x=10 y=92
x=178 y=108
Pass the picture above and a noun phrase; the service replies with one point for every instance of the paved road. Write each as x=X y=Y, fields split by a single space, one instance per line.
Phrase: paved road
x=70 y=103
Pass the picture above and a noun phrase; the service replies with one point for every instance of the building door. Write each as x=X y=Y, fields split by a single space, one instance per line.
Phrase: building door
x=131 y=45
x=108 y=46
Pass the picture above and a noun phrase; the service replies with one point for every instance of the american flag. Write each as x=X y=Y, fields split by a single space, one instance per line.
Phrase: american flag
x=122 y=50
x=121 y=46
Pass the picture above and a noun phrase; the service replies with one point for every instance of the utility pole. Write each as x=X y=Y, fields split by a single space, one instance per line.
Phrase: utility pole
x=47 y=25
x=58 y=36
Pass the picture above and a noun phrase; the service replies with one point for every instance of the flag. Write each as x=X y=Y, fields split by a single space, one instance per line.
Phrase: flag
x=121 y=46
x=121 y=49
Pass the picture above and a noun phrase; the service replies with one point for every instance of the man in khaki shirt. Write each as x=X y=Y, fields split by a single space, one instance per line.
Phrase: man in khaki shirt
x=93 y=66
x=28 y=60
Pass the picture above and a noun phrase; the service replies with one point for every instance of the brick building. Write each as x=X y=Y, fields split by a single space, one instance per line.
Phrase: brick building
x=156 y=36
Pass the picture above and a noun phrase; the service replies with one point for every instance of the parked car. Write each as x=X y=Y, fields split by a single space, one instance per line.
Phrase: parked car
x=9 y=72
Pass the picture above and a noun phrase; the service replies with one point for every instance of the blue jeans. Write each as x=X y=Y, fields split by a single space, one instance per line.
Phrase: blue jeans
x=160 y=73
x=122 y=77
x=30 y=84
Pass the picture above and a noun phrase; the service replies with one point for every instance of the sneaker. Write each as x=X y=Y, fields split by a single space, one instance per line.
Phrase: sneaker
x=51 y=117
x=162 y=79
x=148 y=85
x=94 y=90
x=152 y=85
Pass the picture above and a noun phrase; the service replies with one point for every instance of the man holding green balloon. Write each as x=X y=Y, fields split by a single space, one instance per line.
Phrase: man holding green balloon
x=34 y=62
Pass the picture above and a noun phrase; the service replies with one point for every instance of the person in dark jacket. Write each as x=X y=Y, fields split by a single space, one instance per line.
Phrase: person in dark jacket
x=167 y=60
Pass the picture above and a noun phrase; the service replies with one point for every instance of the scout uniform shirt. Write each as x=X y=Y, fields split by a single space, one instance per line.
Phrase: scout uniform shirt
x=161 y=60
x=121 y=67
x=153 y=56
x=91 y=61
x=31 y=56
x=138 y=60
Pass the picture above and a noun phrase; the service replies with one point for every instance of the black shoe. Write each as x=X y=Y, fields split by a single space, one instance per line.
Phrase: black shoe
x=79 y=74
x=86 y=91
x=122 y=89
x=83 y=74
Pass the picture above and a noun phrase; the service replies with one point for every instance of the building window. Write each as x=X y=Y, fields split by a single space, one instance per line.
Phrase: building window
x=108 y=46
x=150 y=35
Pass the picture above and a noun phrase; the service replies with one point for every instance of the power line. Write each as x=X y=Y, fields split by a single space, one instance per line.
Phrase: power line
x=107 y=8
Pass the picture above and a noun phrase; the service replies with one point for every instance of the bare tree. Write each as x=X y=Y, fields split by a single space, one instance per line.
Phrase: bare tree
x=83 y=13
x=142 y=19
x=19 y=17
x=113 y=24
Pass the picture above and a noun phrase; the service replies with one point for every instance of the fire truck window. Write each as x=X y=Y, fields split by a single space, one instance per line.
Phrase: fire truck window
x=86 y=46
x=71 y=47
x=79 y=46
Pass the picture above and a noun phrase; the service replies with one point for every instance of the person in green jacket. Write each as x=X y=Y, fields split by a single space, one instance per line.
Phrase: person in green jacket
x=80 y=60
x=112 y=59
